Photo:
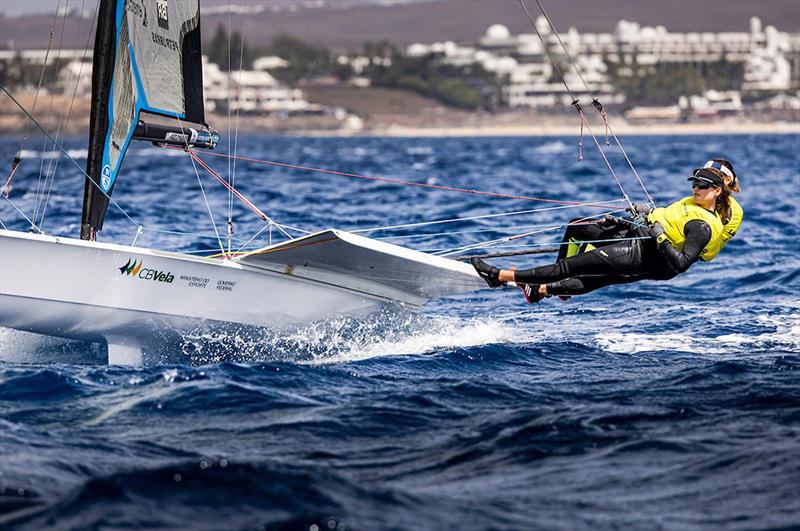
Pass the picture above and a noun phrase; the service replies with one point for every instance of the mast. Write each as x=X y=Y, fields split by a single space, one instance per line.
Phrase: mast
x=147 y=84
x=102 y=68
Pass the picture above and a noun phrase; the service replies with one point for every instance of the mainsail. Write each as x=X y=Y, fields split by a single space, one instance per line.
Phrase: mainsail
x=147 y=84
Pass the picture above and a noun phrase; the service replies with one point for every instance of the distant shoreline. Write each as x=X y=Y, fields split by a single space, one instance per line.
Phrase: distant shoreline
x=551 y=131
x=499 y=131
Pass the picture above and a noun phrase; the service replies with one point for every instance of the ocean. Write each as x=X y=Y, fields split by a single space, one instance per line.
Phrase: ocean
x=655 y=405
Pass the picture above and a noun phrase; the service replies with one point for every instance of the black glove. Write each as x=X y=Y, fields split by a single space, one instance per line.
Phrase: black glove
x=608 y=221
x=658 y=233
x=488 y=273
x=639 y=209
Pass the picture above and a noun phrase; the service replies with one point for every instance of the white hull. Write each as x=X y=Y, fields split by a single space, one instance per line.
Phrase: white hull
x=82 y=290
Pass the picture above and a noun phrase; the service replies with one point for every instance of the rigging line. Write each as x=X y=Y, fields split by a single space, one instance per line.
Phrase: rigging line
x=400 y=181
x=574 y=100
x=596 y=103
x=41 y=76
x=33 y=225
x=490 y=243
x=47 y=175
x=546 y=49
x=182 y=233
x=202 y=190
x=64 y=151
x=608 y=163
x=473 y=231
x=269 y=226
x=543 y=244
x=236 y=128
x=484 y=216
x=228 y=86
x=72 y=101
x=3 y=224
x=256 y=235
x=285 y=226
x=69 y=112
x=261 y=215
x=517 y=236
x=208 y=206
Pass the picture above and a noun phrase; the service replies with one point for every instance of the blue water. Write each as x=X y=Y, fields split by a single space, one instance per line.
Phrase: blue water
x=647 y=406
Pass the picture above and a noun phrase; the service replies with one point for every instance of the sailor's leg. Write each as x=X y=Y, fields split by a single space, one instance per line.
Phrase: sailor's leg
x=615 y=259
x=583 y=284
x=579 y=231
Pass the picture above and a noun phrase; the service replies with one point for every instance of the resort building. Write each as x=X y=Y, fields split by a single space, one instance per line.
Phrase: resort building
x=770 y=58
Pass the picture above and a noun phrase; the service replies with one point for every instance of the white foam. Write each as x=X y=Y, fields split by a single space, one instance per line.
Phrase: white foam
x=347 y=340
x=442 y=333
x=552 y=148
x=786 y=336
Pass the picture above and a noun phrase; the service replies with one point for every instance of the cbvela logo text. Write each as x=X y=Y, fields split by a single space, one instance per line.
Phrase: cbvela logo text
x=133 y=268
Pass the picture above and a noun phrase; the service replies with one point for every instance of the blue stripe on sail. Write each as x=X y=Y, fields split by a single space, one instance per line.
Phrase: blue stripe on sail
x=108 y=174
x=107 y=181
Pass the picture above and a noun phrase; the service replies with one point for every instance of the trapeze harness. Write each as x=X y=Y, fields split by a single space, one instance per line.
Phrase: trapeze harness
x=690 y=233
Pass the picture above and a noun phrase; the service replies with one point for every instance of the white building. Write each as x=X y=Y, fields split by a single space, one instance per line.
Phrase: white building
x=251 y=91
x=771 y=58
x=76 y=77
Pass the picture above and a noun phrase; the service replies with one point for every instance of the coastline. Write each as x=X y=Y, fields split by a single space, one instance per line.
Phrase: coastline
x=560 y=130
x=11 y=128
x=416 y=118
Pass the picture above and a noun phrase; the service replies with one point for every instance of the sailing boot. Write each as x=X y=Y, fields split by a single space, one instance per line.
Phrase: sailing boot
x=531 y=292
x=488 y=273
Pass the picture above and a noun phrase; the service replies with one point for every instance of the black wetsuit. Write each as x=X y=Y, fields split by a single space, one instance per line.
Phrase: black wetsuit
x=619 y=262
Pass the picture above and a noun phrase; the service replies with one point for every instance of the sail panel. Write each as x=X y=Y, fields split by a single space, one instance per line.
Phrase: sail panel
x=165 y=39
x=156 y=68
x=123 y=111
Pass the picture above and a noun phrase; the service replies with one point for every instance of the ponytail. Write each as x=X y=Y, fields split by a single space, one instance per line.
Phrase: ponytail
x=723 y=206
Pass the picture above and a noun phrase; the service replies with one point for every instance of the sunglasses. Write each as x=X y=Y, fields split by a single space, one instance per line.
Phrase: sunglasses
x=701 y=185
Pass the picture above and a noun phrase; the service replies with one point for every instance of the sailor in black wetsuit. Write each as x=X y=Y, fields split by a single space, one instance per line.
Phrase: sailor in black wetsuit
x=663 y=245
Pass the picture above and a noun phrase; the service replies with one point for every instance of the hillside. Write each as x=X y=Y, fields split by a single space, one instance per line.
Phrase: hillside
x=346 y=26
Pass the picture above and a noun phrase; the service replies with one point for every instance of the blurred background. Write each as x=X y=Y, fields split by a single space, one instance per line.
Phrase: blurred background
x=442 y=66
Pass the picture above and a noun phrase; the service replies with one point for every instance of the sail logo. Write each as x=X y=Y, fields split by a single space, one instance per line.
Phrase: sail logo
x=163 y=14
x=133 y=268
x=105 y=177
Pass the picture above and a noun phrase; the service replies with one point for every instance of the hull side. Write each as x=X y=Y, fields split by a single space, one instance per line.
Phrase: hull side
x=87 y=290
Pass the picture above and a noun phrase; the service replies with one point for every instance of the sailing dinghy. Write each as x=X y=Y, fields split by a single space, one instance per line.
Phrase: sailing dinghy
x=147 y=85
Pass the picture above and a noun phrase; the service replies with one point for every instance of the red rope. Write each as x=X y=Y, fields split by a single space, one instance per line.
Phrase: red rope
x=394 y=181
x=230 y=188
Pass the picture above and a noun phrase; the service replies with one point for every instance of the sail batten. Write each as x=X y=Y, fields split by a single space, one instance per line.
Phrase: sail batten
x=147 y=60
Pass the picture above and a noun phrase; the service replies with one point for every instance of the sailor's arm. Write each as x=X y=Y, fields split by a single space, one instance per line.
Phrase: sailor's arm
x=698 y=234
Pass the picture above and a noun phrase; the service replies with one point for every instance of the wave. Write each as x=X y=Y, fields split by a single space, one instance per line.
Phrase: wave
x=785 y=337
x=55 y=154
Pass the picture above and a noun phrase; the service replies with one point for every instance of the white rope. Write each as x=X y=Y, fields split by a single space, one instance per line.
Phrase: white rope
x=47 y=175
x=238 y=108
x=29 y=220
x=208 y=206
x=69 y=157
x=588 y=90
x=484 y=216
x=265 y=227
x=497 y=241
x=41 y=74
x=472 y=231
x=71 y=104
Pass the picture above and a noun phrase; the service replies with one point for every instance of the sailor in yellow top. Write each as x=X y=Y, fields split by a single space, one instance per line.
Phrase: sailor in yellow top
x=655 y=245
x=732 y=218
